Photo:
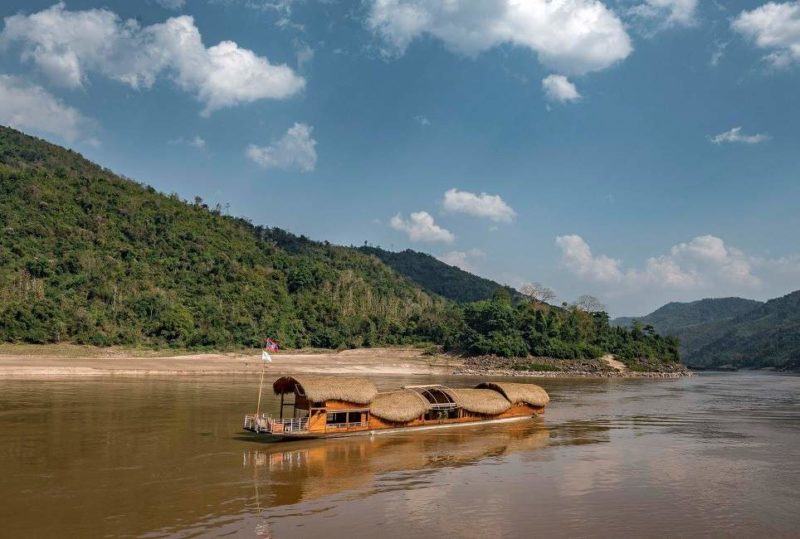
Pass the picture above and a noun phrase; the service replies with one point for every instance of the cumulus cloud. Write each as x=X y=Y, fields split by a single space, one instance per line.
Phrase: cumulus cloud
x=478 y=205
x=30 y=107
x=420 y=226
x=68 y=45
x=462 y=259
x=294 y=150
x=577 y=256
x=701 y=262
x=667 y=12
x=774 y=26
x=559 y=88
x=571 y=36
x=730 y=263
x=735 y=135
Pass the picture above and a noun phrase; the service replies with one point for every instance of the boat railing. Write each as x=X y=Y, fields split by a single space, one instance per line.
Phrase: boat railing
x=265 y=423
x=443 y=405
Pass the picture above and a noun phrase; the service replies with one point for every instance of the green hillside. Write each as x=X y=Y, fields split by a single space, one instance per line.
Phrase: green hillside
x=768 y=336
x=695 y=323
x=89 y=257
x=437 y=277
x=732 y=332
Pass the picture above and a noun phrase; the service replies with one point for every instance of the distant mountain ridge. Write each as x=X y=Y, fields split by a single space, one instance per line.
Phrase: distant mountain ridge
x=731 y=332
x=767 y=336
x=439 y=278
x=694 y=322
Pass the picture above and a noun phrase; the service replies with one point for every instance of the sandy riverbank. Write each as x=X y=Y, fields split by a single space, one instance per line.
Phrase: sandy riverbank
x=52 y=361
x=67 y=360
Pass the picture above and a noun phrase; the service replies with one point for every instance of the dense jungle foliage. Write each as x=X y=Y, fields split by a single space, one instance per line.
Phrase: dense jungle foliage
x=503 y=328
x=92 y=258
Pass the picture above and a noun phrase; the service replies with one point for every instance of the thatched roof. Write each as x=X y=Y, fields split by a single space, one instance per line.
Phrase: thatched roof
x=481 y=401
x=324 y=388
x=399 y=406
x=515 y=392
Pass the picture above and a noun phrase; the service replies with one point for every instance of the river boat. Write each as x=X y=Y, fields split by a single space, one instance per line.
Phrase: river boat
x=336 y=406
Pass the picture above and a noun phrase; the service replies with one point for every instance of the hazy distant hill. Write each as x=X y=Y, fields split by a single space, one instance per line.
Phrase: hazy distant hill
x=732 y=332
x=675 y=316
x=437 y=277
x=695 y=323
x=767 y=336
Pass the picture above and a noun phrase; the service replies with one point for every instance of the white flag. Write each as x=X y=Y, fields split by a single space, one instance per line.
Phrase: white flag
x=266 y=357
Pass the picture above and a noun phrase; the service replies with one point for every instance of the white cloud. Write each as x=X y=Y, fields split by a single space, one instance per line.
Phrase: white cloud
x=171 y=4
x=559 y=88
x=700 y=263
x=735 y=135
x=420 y=226
x=718 y=53
x=304 y=54
x=774 y=26
x=68 y=45
x=422 y=120
x=294 y=150
x=462 y=259
x=671 y=12
x=730 y=263
x=483 y=205
x=577 y=257
x=195 y=142
x=571 y=36
x=30 y=107
x=666 y=272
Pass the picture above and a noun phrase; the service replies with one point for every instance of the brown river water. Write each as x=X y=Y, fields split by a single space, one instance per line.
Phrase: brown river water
x=715 y=454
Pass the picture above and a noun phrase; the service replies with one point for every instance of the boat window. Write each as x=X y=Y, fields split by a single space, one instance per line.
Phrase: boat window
x=441 y=413
x=344 y=417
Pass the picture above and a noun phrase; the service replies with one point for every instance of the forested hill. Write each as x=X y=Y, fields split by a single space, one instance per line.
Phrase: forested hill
x=695 y=323
x=437 y=277
x=767 y=336
x=732 y=332
x=89 y=257
x=676 y=316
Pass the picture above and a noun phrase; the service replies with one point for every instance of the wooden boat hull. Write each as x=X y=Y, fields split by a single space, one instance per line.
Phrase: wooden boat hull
x=272 y=437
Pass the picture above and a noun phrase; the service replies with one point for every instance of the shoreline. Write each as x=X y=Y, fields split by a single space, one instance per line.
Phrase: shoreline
x=72 y=361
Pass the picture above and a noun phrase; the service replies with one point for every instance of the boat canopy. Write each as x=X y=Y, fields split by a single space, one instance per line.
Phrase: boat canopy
x=517 y=393
x=324 y=388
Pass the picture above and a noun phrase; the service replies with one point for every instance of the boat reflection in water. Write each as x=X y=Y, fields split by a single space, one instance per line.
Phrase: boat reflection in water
x=293 y=472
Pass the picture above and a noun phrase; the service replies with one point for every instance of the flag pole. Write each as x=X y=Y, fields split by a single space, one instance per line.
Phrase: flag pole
x=272 y=346
x=260 y=387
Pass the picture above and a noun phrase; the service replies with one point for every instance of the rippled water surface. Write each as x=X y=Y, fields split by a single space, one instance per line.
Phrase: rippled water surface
x=147 y=457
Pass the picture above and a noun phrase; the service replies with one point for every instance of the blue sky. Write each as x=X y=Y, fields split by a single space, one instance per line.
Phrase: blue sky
x=642 y=151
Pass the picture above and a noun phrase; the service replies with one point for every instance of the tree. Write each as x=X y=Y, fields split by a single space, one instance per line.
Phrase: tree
x=589 y=304
x=537 y=292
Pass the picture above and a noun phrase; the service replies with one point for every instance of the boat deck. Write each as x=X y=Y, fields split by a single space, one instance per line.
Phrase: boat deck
x=250 y=424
